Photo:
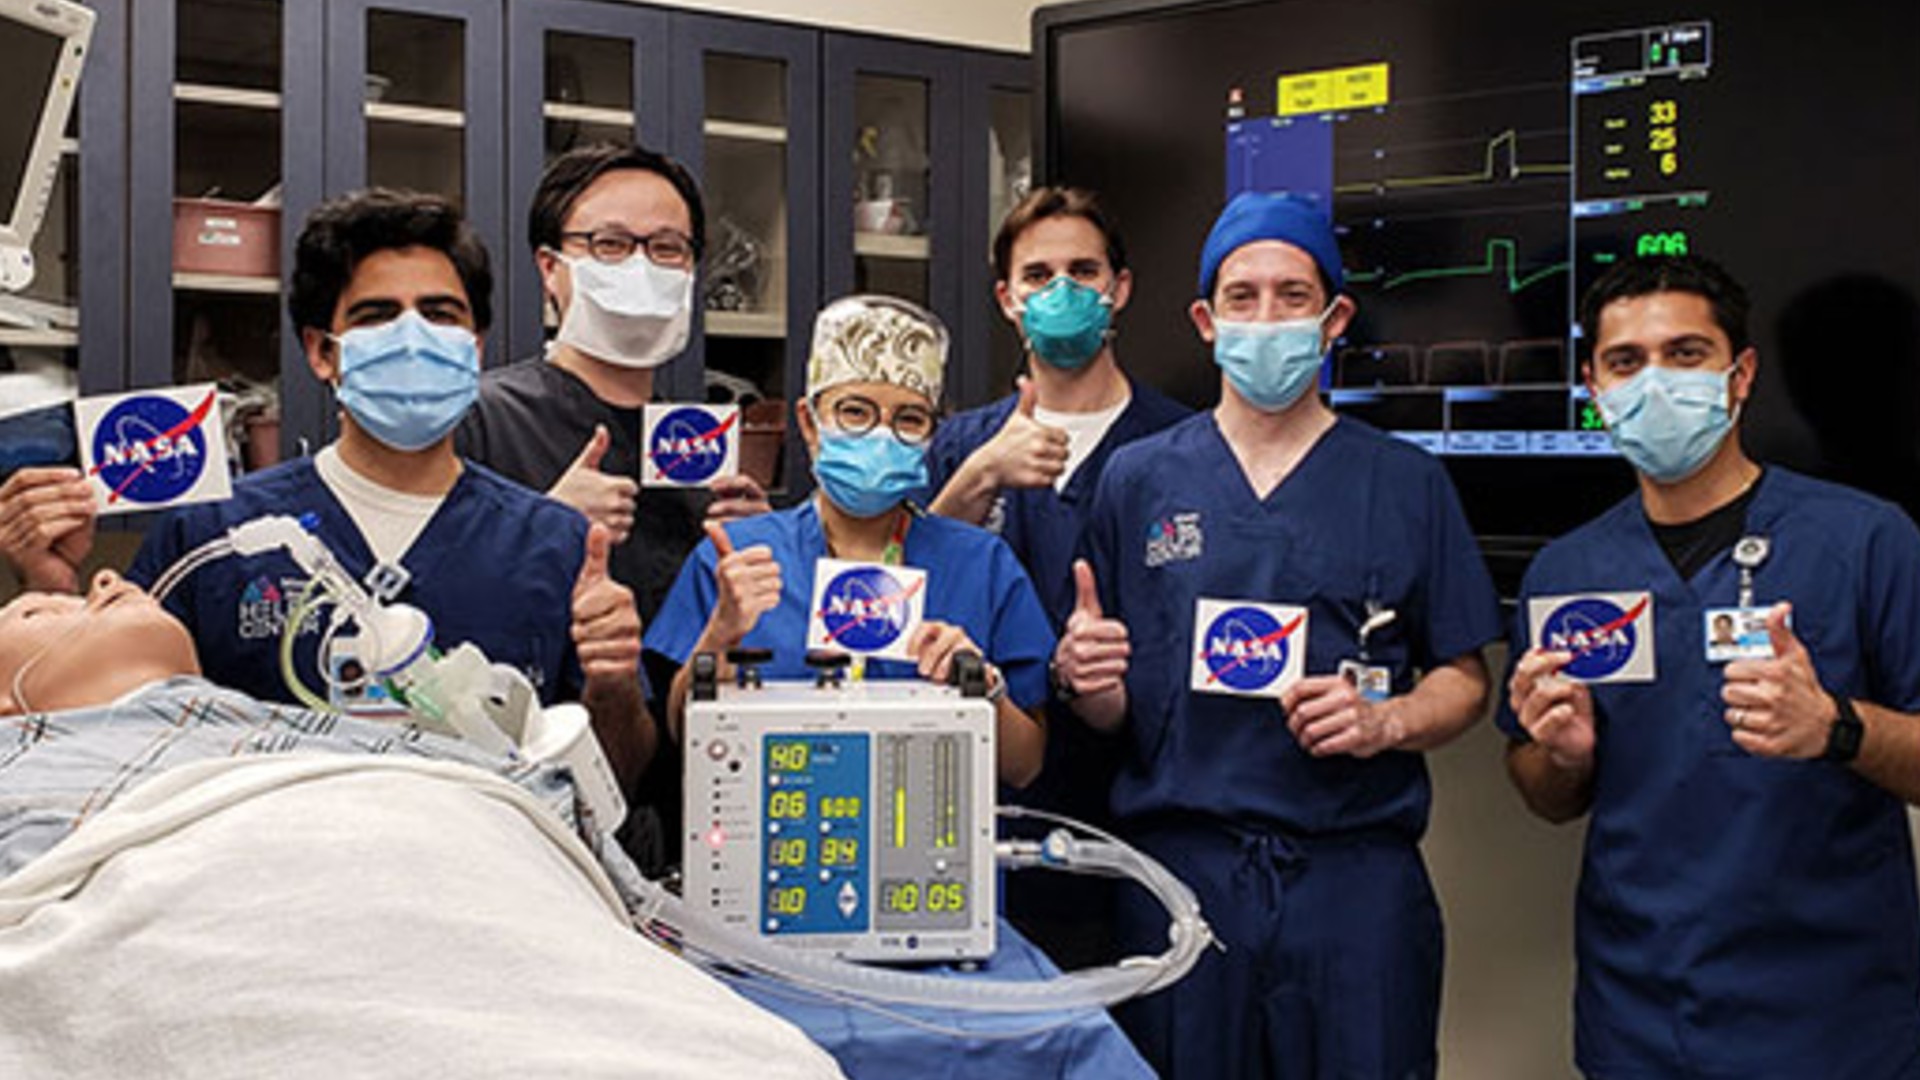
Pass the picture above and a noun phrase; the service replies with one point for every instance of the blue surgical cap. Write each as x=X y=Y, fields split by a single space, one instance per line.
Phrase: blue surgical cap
x=1254 y=216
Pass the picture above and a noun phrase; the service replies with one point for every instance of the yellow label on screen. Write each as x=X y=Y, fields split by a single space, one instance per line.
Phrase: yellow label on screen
x=1357 y=87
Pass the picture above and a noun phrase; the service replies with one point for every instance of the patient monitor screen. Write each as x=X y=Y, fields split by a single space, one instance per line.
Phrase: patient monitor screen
x=26 y=78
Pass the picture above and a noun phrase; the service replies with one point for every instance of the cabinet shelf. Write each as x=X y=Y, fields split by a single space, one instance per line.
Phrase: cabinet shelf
x=587 y=114
x=890 y=246
x=734 y=129
x=43 y=339
x=746 y=324
x=227 y=283
x=235 y=97
x=418 y=115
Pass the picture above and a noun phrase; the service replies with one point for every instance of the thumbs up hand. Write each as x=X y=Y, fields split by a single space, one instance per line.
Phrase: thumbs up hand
x=749 y=586
x=606 y=625
x=603 y=498
x=1777 y=707
x=1025 y=453
x=1091 y=657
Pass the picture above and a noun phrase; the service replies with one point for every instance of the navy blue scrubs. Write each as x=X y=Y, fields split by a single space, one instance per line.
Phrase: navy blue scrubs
x=1742 y=916
x=973 y=582
x=495 y=566
x=1307 y=868
x=1069 y=915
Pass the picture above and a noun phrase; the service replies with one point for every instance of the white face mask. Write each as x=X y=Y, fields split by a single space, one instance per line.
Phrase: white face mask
x=634 y=313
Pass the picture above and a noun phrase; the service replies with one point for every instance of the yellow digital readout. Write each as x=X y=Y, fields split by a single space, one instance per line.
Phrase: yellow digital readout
x=839 y=851
x=840 y=806
x=787 y=756
x=791 y=852
x=787 y=804
x=789 y=901
x=1309 y=92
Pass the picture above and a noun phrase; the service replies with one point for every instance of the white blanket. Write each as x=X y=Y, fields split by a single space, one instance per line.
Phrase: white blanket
x=333 y=917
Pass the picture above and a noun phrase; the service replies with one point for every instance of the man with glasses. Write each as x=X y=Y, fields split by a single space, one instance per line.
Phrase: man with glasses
x=873 y=383
x=617 y=232
x=390 y=295
x=1263 y=537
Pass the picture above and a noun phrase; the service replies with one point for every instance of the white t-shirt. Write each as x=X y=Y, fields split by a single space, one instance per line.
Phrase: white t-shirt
x=389 y=520
x=1084 y=432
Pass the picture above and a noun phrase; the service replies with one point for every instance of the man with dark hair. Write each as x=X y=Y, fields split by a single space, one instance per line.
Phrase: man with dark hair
x=617 y=231
x=1747 y=903
x=1025 y=466
x=389 y=296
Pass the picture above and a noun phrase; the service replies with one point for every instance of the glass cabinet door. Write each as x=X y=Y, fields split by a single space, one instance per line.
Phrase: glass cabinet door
x=999 y=169
x=750 y=136
x=893 y=201
x=207 y=199
x=578 y=73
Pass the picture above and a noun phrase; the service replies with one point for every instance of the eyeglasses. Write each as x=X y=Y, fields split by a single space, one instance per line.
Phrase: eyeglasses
x=664 y=247
x=856 y=415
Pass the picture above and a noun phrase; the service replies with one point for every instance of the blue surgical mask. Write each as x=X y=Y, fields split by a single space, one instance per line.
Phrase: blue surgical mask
x=1270 y=364
x=1066 y=322
x=407 y=382
x=1667 y=422
x=868 y=475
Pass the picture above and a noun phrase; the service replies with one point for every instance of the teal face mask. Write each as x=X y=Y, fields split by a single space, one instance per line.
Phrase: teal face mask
x=1066 y=322
x=868 y=475
x=1668 y=422
x=407 y=382
x=1270 y=364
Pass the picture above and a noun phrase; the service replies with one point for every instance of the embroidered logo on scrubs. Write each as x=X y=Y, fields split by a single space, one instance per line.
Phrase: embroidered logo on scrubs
x=1248 y=649
x=689 y=445
x=265 y=605
x=1175 y=538
x=1609 y=634
x=154 y=448
x=869 y=609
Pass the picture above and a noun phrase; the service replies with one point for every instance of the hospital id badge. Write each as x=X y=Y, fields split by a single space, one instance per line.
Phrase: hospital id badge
x=1247 y=649
x=1735 y=633
x=1609 y=635
x=1374 y=682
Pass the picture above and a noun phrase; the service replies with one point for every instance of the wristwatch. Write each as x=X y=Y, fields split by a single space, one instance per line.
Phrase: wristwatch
x=996 y=685
x=1843 y=738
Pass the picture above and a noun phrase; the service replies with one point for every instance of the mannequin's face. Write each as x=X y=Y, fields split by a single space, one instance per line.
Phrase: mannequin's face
x=79 y=652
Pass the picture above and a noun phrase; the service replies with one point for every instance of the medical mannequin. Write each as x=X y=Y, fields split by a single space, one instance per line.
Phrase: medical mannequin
x=59 y=651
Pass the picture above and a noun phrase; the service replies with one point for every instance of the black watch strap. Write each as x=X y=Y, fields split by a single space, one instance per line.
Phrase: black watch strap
x=1063 y=690
x=1844 y=737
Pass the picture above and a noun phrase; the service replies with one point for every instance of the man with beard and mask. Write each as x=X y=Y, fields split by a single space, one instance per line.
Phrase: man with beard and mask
x=390 y=295
x=1025 y=467
x=873 y=383
x=1747 y=903
x=1294 y=810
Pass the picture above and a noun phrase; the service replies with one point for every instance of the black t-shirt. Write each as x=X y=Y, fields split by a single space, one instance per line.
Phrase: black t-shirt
x=1691 y=545
x=531 y=422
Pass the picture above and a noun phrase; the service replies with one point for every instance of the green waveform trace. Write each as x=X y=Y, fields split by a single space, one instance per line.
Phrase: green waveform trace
x=1488 y=268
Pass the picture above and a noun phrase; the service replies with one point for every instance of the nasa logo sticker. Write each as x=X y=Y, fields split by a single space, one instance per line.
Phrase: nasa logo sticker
x=1246 y=648
x=153 y=448
x=689 y=445
x=867 y=609
x=1609 y=634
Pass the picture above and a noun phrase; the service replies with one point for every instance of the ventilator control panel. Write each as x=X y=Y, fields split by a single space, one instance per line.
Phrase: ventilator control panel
x=856 y=819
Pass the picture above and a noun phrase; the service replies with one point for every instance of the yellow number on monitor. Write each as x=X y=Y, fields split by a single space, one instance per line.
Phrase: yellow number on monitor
x=787 y=804
x=1662 y=138
x=1663 y=112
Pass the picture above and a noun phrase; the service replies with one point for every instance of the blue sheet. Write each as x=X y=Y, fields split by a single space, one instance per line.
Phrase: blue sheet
x=1080 y=1045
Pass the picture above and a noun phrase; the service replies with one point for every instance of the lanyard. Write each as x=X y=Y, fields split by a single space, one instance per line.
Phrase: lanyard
x=891 y=555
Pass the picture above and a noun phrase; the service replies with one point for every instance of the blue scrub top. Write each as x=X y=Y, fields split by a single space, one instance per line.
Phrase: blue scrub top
x=973 y=582
x=1743 y=916
x=495 y=566
x=1362 y=517
x=1043 y=525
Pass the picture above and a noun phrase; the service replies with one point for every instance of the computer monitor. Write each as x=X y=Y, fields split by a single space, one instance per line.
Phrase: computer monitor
x=44 y=43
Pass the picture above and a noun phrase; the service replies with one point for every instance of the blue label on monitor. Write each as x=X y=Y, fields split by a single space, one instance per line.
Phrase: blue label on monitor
x=815 y=792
